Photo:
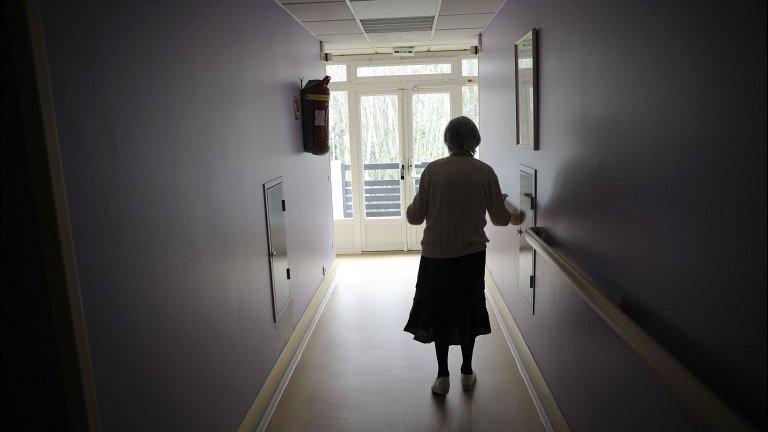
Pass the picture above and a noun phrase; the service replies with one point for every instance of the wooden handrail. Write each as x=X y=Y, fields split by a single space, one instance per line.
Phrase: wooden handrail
x=695 y=394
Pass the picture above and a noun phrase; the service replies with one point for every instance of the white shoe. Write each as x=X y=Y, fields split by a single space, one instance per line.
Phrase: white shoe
x=468 y=381
x=441 y=385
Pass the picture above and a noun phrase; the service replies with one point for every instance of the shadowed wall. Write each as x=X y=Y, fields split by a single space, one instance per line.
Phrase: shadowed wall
x=652 y=179
x=171 y=116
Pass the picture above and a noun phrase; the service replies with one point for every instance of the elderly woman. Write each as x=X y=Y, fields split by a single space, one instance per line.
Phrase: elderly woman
x=454 y=194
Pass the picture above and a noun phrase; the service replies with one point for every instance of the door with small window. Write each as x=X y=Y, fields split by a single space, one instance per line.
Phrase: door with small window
x=381 y=168
x=429 y=110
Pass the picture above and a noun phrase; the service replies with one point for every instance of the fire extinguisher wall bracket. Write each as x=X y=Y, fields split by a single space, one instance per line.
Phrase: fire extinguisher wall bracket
x=315 y=97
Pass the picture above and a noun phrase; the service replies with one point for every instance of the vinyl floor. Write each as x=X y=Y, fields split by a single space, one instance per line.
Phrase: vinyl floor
x=361 y=372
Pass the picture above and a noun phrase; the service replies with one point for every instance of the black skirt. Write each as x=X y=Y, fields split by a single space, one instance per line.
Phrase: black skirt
x=449 y=305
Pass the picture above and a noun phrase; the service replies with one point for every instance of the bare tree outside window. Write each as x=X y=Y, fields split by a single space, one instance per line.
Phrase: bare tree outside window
x=470 y=103
x=380 y=148
x=431 y=112
x=406 y=69
x=338 y=140
x=337 y=72
x=379 y=135
x=469 y=67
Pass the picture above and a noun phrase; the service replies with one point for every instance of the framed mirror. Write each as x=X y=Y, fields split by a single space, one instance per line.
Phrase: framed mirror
x=527 y=91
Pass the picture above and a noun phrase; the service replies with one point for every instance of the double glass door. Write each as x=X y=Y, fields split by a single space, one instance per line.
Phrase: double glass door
x=399 y=133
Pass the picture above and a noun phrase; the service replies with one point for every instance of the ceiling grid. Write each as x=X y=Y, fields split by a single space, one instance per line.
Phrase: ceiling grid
x=434 y=24
x=378 y=26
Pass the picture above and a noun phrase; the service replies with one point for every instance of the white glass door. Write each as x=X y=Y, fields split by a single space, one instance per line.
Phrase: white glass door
x=382 y=171
x=428 y=112
x=386 y=124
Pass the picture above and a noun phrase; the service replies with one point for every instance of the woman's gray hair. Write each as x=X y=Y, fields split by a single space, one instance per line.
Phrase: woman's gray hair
x=461 y=136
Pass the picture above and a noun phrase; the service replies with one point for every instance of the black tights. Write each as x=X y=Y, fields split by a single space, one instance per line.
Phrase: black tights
x=442 y=358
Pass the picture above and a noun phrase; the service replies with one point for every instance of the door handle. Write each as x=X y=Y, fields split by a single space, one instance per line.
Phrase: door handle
x=402 y=172
x=272 y=254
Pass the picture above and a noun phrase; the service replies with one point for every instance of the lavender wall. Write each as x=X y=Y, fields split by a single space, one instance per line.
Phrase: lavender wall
x=652 y=177
x=172 y=115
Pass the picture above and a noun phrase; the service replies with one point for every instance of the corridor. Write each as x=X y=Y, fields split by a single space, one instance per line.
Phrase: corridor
x=361 y=372
x=213 y=214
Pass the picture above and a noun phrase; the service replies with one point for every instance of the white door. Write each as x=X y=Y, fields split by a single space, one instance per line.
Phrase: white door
x=381 y=170
x=427 y=114
x=387 y=122
x=399 y=133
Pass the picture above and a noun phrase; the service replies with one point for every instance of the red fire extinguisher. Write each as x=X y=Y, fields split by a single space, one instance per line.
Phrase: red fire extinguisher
x=314 y=115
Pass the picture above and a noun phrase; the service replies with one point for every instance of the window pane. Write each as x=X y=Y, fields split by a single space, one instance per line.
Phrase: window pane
x=431 y=112
x=338 y=72
x=338 y=140
x=470 y=103
x=394 y=70
x=469 y=67
x=380 y=149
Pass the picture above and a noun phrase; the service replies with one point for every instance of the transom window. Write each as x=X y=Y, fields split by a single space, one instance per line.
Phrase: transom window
x=469 y=67
x=404 y=69
x=337 y=72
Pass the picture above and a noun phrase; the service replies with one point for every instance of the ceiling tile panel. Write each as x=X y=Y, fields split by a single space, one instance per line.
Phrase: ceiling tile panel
x=457 y=47
x=401 y=38
x=405 y=43
x=392 y=25
x=447 y=35
x=463 y=21
x=368 y=9
x=333 y=27
x=453 y=7
x=320 y=11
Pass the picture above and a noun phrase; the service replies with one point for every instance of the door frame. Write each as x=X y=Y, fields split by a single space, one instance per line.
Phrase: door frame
x=35 y=106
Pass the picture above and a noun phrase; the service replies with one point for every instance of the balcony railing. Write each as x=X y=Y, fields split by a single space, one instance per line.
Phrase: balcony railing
x=381 y=197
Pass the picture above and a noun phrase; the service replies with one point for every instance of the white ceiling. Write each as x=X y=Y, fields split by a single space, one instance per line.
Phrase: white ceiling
x=426 y=25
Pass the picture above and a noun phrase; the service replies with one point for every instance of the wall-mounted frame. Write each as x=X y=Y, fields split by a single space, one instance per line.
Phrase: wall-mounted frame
x=277 y=253
x=526 y=254
x=527 y=91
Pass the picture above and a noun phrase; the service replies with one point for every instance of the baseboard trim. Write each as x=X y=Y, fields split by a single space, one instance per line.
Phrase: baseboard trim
x=264 y=405
x=551 y=416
